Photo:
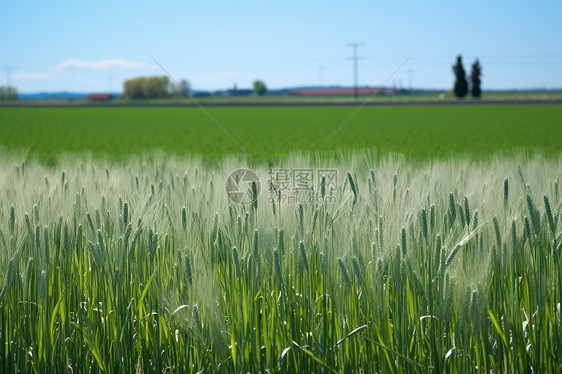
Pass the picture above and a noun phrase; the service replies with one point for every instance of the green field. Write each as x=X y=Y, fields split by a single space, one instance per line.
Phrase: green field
x=265 y=133
x=446 y=259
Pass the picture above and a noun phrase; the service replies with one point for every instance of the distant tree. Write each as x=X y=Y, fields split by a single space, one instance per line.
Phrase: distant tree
x=147 y=88
x=8 y=93
x=132 y=89
x=185 y=87
x=180 y=89
x=461 y=85
x=259 y=88
x=475 y=74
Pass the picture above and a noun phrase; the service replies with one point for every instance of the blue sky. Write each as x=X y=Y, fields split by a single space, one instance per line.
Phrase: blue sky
x=93 y=46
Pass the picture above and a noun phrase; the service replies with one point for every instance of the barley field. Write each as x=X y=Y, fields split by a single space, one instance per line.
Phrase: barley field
x=265 y=134
x=146 y=266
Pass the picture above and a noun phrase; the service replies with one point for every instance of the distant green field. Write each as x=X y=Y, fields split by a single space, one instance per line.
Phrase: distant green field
x=267 y=132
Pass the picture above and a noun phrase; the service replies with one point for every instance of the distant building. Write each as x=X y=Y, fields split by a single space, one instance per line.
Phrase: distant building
x=340 y=91
x=234 y=92
x=201 y=94
x=100 y=96
x=242 y=92
x=279 y=92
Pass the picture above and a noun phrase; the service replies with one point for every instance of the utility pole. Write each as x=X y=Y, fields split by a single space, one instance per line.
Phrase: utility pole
x=8 y=77
x=355 y=72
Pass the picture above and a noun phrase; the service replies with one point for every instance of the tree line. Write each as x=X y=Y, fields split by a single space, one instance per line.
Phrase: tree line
x=461 y=83
x=8 y=93
x=157 y=87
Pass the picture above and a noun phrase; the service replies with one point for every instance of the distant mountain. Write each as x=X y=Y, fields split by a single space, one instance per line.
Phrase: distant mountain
x=84 y=95
x=56 y=95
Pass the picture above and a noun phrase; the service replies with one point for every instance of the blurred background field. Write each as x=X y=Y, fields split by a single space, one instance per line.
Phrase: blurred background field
x=265 y=133
x=409 y=97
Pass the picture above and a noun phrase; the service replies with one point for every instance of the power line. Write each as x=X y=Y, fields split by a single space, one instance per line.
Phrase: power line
x=355 y=72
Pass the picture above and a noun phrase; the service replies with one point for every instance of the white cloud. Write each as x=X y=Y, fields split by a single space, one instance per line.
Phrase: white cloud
x=25 y=76
x=75 y=63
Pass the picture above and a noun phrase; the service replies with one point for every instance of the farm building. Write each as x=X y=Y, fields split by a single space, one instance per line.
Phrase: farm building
x=100 y=96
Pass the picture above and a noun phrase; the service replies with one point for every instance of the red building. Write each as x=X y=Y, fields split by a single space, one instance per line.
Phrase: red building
x=100 y=96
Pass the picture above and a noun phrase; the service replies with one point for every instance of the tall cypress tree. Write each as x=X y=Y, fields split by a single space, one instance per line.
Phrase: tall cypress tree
x=475 y=74
x=461 y=85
